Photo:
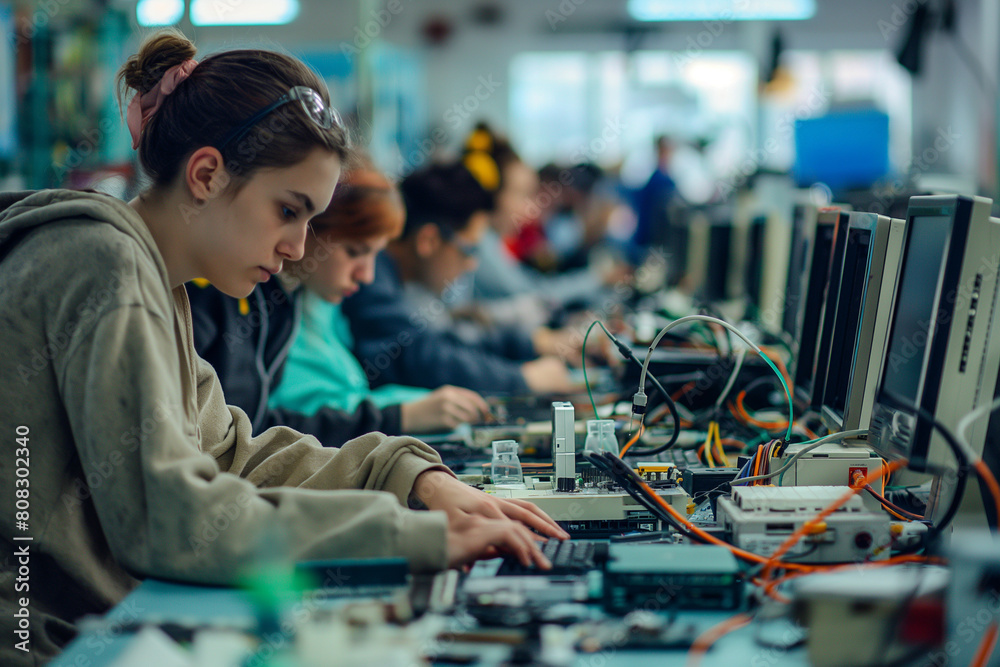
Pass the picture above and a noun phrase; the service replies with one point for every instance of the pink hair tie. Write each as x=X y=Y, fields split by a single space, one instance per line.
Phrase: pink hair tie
x=143 y=106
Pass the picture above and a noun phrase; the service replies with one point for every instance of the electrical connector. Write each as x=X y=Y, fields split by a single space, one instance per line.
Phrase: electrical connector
x=815 y=527
x=639 y=403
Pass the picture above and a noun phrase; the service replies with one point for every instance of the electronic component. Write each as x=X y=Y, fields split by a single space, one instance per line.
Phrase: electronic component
x=595 y=511
x=670 y=576
x=564 y=445
x=761 y=518
x=830 y=464
x=699 y=481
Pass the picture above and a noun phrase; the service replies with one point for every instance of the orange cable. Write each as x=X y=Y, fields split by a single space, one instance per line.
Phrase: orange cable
x=632 y=440
x=683 y=390
x=986 y=475
x=986 y=646
x=714 y=634
x=819 y=569
x=741 y=553
x=805 y=527
x=741 y=413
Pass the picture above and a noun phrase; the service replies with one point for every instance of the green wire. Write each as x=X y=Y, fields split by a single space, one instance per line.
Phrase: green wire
x=788 y=393
x=583 y=364
x=583 y=354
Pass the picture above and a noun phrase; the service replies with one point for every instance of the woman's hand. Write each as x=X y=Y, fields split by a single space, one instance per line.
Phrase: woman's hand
x=442 y=410
x=548 y=375
x=481 y=525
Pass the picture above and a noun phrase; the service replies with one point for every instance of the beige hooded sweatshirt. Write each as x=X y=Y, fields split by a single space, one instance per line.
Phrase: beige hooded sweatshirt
x=135 y=465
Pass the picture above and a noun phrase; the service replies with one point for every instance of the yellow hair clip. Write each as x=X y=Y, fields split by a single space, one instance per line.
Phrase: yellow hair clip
x=484 y=168
x=479 y=140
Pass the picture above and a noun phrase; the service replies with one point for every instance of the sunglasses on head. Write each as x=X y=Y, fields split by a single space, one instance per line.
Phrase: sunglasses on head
x=311 y=102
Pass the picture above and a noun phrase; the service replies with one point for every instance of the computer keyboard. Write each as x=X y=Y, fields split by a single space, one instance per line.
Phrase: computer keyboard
x=566 y=556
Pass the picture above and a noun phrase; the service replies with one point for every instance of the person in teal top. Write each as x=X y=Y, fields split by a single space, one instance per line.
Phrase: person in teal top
x=320 y=370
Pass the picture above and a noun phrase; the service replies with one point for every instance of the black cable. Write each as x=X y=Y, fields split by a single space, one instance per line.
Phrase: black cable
x=961 y=475
x=627 y=482
x=627 y=353
x=891 y=505
x=627 y=486
x=622 y=471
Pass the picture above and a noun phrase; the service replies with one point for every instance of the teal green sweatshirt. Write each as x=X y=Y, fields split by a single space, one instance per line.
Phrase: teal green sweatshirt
x=321 y=370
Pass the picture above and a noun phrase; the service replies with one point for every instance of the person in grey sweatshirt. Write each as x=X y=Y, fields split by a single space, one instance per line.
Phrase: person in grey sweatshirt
x=126 y=461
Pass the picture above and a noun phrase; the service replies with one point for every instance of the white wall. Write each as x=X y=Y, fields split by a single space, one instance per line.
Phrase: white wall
x=944 y=97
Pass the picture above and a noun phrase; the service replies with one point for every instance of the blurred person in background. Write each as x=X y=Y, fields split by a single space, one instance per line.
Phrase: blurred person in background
x=654 y=197
x=511 y=291
x=321 y=371
x=398 y=338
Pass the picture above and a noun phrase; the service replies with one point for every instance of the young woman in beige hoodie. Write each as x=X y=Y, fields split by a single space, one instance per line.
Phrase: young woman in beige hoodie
x=126 y=459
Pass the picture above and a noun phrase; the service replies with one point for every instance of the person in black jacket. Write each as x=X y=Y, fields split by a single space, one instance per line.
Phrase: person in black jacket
x=248 y=340
x=395 y=340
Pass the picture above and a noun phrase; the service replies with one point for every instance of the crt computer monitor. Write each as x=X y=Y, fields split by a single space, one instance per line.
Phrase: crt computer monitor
x=826 y=331
x=817 y=272
x=803 y=226
x=869 y=346
x=810 y=320
x=940 y=354
x=869 y=269
x=845 y=301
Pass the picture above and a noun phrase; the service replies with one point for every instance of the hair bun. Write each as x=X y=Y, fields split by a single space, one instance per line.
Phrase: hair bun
x=159 y=52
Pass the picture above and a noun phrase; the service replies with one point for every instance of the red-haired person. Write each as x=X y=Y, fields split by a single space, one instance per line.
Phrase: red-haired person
x=128 y=450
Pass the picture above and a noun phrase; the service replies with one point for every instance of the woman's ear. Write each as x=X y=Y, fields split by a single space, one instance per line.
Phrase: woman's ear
x=206 y=175
x=427 y=240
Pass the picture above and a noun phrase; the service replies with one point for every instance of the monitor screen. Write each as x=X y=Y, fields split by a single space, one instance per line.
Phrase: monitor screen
x=819 y=274
x=796 y=266
x=850 y=299
x=826 y=333
x=754 y=271
x=911 y=323
x=717 y=276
